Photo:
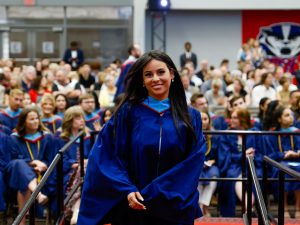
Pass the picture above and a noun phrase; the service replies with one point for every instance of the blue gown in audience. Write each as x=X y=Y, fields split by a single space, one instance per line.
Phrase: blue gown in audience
x=60 y=114
x=52 y=123
x=72 y=155
x=230 y=165
x=38 y=146
x=5 y=144
x=5 y=130
x=9 y=118
x=277 y=145
x=90 y=119
x=167 y=181
x=220 y=122
x=211 y=154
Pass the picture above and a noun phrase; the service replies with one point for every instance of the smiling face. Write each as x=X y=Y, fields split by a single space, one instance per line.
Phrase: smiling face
x=47 y=107
x=157 y=79
x=235 y=122
x=32 y=122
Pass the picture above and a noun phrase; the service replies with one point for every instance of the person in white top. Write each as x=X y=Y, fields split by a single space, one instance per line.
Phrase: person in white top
x=264 y=89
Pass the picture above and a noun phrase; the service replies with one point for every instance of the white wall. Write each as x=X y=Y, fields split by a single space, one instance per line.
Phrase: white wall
x=214 y=35
x=235 y=4
x=140 y=22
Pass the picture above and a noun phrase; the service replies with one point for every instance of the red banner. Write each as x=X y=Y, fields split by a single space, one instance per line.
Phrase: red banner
x=253 y=20
x=29 y=2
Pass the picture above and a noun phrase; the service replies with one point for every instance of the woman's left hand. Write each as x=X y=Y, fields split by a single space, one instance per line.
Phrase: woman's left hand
x=38 y=166
x=133 y=200
x=250 y=152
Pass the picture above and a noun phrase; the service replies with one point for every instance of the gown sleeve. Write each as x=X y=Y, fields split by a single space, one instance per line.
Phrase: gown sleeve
x=272 y=148
x=173 y=195
x=4 y=151
x=224 y=155
x=106 y=182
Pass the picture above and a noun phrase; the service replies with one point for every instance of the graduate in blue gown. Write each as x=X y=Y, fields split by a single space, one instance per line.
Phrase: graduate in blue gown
x=5 y=144
x=73 y=123
x=286 y=150
x=145 y=165
x=32 y=152
x=92 y=119
x=9 y=116
x=210 y=169
x=230 y=160
x=51 y=121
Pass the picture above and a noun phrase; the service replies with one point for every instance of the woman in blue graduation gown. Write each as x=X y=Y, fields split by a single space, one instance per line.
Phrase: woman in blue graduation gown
x=5 y=144
x=144 y=167
x=32 y=152
x=286 y=150
x=51 y=121
x=230 y=160
x=73 y=123
x=210 y=169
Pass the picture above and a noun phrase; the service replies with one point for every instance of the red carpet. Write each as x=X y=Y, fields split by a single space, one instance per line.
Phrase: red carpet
x=236 y=221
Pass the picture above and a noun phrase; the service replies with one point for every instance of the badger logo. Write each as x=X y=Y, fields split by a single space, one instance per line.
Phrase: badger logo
x=280 y=40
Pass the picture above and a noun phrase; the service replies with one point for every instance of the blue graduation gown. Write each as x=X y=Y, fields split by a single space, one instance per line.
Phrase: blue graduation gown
x=220 y=123
x=52 y=123
x=10 y=118
x=72 y=154
x=60 y=114
x=277 y=154
x=147 y=155
x=230 y=164
x=42 y=147
x=121 y=80
x=211 y=154
x=91 y=119
x=4 y=129
x=4 y=160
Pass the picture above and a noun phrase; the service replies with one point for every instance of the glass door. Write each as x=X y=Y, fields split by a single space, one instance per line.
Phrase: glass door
x=31 y=44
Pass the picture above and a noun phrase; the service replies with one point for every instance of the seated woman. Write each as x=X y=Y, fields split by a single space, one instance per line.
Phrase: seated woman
x=32 y=152
x=286 y=150
x=230 y=160
x=210 y=169
x=51 y=121
x=73 y=123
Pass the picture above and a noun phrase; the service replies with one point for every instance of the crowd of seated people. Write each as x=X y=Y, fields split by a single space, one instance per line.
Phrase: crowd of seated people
x=46 y=105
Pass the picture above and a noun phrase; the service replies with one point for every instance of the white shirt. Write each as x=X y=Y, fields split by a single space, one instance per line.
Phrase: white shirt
x=260 y=91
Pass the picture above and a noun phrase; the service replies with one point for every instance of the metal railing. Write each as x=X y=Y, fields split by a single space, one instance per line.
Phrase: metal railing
x=244 y=134
x=58 y=164
x=282 y=171
x=252 y=179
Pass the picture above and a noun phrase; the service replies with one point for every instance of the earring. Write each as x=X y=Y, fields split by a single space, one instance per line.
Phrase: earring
x=172 y=80
x=143 y=85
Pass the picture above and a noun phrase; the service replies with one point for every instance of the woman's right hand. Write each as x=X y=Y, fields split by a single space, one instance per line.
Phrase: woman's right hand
x=133 y=201
x=75 y=166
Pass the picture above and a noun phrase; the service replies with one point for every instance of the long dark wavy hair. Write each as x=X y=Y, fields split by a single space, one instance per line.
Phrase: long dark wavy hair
x=268 y=121
x=277 y=115
x=135 y=92
x=21 y=128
